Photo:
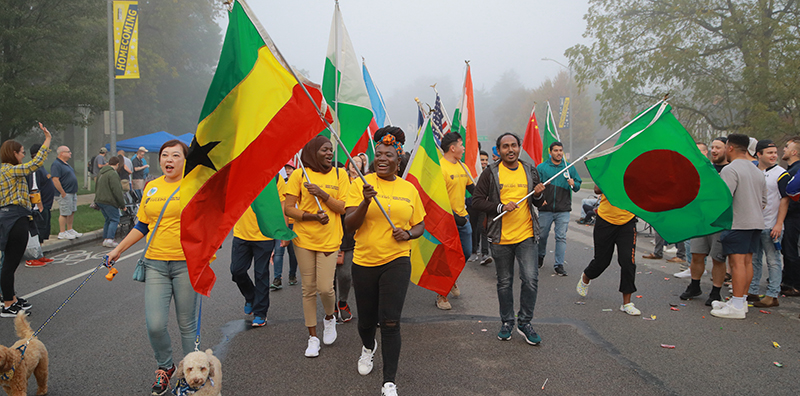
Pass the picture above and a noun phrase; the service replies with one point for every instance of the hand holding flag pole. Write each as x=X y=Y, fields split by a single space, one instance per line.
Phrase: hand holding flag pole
x=299 y=161
x=663 y=101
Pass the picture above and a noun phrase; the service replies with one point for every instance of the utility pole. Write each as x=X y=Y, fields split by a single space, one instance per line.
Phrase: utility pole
x=112 y=110
x=571 y=102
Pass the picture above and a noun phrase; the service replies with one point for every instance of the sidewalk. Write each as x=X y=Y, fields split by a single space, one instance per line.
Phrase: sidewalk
x=54 y=244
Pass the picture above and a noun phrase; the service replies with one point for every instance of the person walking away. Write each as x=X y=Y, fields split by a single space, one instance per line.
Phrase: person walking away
x=514 y=235
x=166 y=275
x=614 y=227
x=458 y=182
x=381 y=259
x=749 y=190
x=319 y=233
x=47 y=192
x=558 y=204
x=66 y=184
x=109 y=197
x=284 y=247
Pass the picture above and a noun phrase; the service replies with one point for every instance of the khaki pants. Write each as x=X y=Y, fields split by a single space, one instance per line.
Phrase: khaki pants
x=126 y=185
x=316 y=272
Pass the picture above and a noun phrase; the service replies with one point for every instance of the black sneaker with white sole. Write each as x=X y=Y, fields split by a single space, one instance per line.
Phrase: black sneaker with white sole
x=12 y=311
x=24 y=303
x=560 y=270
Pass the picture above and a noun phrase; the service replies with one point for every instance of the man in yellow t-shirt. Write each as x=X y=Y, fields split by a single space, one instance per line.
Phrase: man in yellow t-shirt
x=614 y=227
x=458 y=182
x=250 y=245
x=514 y=235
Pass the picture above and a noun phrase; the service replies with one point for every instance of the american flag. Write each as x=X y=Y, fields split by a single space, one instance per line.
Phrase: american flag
x=439 y=121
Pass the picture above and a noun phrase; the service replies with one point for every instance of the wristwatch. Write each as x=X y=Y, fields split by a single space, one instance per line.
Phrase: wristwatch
x=410 y=235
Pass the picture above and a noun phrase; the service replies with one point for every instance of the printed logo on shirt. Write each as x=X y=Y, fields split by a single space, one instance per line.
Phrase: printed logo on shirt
x=332 y=187
x=152 y=191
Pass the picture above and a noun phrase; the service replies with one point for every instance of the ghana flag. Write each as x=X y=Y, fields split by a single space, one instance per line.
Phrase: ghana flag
x=436 y=257
x=256 y=116
x=656 y=171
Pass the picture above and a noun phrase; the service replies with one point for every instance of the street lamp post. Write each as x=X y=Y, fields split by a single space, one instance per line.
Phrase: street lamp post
x=571 y=99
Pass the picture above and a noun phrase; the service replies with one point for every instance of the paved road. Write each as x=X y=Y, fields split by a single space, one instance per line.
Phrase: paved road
x=98 y=344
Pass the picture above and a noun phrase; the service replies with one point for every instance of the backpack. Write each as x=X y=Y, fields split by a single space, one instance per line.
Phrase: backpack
x=90 y=165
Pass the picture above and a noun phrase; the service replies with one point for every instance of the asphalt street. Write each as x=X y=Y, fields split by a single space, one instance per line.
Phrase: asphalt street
x=98 y=343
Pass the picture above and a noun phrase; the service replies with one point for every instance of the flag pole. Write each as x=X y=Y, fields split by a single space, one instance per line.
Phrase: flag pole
x=299 y=160
x=586 y=154
x=449 y=122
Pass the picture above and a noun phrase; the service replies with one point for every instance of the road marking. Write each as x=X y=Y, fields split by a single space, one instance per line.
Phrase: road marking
x=72 y=278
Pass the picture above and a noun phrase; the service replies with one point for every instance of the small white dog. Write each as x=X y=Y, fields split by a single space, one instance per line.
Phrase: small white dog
x=199 y=374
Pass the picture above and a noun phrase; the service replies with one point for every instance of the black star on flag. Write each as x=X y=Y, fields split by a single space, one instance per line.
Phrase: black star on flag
x=198 y=155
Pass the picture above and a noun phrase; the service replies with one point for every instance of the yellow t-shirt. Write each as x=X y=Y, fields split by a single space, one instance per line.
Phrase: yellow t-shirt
x=375 y=244
x=166 y=245
x=613 y=214
x=456 y=180
x=518 y=224
x=312 y=235
x=247 y=227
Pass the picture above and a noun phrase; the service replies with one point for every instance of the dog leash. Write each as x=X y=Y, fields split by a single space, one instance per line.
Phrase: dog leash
x=8 y=375
x=197 y=334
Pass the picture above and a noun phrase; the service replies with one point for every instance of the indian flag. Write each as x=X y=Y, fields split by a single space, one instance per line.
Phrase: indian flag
x=436 y=257
x=343 y=86
x=464 y=124
x=254 y=102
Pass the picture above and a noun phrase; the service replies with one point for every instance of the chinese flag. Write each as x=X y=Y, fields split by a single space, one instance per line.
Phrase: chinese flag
x=532 y=143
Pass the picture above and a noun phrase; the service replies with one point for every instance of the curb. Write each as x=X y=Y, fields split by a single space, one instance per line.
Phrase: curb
x=60 y=244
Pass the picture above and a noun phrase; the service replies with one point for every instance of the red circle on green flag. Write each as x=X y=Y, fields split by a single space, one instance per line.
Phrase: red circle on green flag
x=661 y=180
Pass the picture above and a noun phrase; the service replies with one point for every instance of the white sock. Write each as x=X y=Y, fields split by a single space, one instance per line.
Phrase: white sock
x=737 y=302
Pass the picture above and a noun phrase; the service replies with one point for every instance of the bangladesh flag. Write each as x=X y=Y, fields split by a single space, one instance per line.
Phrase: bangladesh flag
x=656 y=171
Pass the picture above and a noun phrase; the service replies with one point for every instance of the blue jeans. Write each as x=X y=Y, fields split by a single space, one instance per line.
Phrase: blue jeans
x=504 y=257
x=774 y=265
x=277 y=260
x=257 y=252
x=465 y=234
x=111 y=214
x=165 y=280
x=561 y=219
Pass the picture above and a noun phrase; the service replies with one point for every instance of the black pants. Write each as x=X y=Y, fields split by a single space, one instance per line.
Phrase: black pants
x=479 y=239
x=606 y=236
x=43 y=224
x=791 y=258
x=380 y=295
x=242 y=254
x=15 y=249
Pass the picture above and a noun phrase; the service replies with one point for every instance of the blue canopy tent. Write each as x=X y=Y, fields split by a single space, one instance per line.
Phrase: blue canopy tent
x=186 y=138
x=151 y=142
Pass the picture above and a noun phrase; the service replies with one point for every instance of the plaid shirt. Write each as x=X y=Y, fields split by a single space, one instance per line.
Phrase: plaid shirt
x=13 y=186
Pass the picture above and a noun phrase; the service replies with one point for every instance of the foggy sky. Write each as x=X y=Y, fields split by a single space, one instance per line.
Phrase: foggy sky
x=405 y=40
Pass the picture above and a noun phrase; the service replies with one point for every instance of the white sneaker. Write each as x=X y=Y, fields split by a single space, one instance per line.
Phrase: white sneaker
x=389 y=389
x=671 y=250
x=74 y=233
x=687 y=273
x=583 y=288
x=716 y=305
x=329 y=331
x=365 y=361
x=65 y=235
x=729 y=312
x=630 y=309
x=313 y=347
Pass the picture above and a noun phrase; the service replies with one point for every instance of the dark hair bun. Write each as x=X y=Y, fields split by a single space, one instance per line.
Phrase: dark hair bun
x=390 y=130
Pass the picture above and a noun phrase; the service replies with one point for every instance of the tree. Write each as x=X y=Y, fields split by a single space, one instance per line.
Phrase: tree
x=733 y=65
x=51 y=60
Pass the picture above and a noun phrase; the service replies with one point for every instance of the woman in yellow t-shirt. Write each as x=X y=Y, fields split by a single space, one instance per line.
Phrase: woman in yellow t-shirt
x=381 y=260
x=166 y=275
x=319 y=233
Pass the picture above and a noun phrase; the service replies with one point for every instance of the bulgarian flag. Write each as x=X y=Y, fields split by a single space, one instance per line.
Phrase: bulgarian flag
x=532 y=142
x=466 y=126
x=550 y=133
x=256 y=116
x=656 y=171
x=436 y=257
x=344 y=89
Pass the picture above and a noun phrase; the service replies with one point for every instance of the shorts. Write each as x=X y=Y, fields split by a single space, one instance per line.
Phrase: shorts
x=709 y=245
x=740 y=241
x=68 y=205
x=138 y=184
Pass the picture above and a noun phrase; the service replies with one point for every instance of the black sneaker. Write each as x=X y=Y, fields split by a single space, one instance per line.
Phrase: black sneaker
x=276 y=284
x=24 y=303
x=505 y=331
x=530 y=335
x=344 y=312
x=161 y=384
x=541 y=261
x=691 y=293
x=12 y=311
x=712 y=298
x=560 y=270
x=487 y=261
x=292 y=280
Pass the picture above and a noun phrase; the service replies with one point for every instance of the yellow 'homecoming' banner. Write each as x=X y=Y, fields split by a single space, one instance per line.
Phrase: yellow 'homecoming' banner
x=126 y=39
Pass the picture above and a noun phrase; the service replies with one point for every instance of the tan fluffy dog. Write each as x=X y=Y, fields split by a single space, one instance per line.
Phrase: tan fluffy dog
x=35 y=361
x=201 y=371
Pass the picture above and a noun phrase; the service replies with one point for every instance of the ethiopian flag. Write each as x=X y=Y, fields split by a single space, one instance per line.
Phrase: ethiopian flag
x=256 y=116
x=344 y=88
x=436 y=257
x=550 y=134
x=656 y=171
x=464 y=124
